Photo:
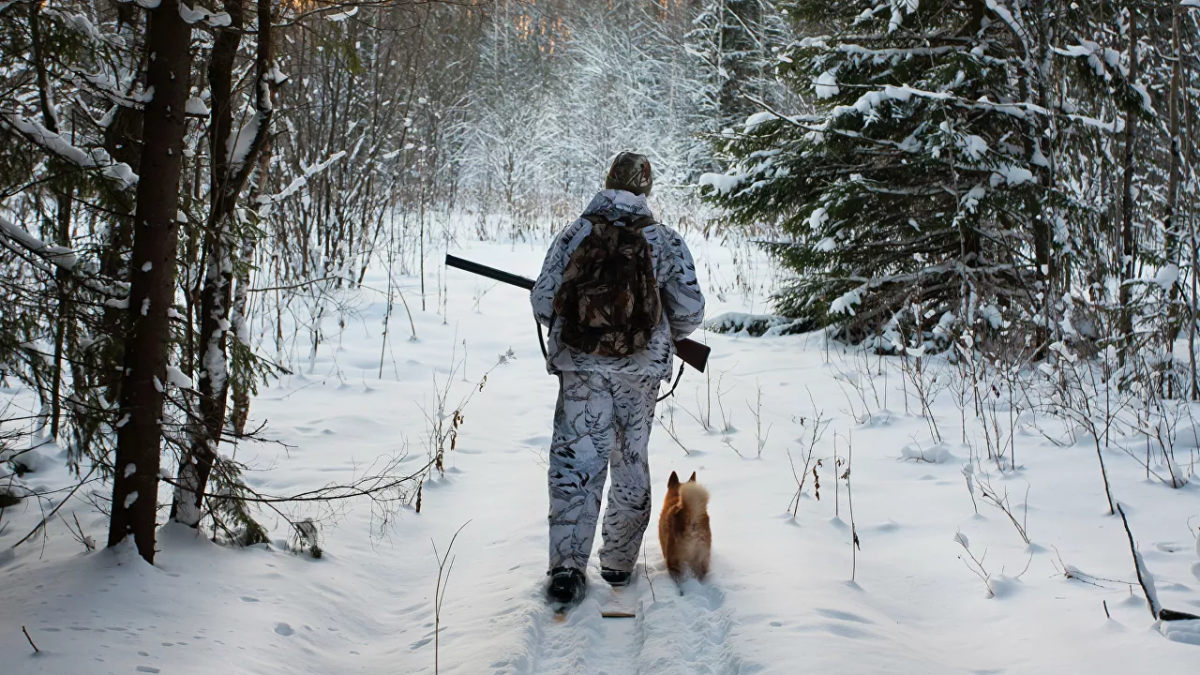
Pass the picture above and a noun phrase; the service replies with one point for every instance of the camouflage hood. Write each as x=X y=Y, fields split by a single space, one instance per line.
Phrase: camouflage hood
x=613 y=205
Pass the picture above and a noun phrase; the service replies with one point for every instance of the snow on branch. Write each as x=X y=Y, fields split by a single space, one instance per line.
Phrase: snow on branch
x=62 y=257
x=201 y=15
x=1013 y=22
x=145 y=4
x=55 y=144
x=48 y=256
x=301 y=181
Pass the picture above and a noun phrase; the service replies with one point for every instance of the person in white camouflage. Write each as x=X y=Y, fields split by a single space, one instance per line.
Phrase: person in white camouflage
x=605 y=407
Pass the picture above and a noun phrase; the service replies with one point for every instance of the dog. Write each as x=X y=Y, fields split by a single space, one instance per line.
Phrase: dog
x=683 y=530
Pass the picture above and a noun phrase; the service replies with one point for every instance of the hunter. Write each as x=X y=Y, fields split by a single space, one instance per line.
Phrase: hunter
x=616 y=290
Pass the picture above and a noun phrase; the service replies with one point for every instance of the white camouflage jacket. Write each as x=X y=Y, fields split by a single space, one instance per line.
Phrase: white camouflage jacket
x=683 y=303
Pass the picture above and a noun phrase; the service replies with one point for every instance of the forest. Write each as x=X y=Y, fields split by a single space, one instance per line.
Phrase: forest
x=996 y=201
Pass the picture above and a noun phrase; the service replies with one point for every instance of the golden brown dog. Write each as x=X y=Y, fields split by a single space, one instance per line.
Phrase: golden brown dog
x=683 y=529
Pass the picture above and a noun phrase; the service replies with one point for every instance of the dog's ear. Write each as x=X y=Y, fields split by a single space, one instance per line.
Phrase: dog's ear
x=693 y=478
x=673 y=481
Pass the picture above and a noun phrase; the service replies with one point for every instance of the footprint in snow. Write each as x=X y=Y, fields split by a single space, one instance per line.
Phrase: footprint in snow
x=284 y=629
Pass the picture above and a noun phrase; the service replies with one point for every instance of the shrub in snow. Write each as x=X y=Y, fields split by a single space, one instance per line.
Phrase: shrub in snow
x=936 y=454
x=307 y=538
x=754 y=325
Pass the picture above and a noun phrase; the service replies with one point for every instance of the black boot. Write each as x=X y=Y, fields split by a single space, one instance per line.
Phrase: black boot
x=567 y=586
x=615 y=578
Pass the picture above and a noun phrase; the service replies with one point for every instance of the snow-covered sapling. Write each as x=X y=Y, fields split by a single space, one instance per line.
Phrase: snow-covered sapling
x=445 y=566
x=812 y=430
x=760 y=438
x=975 y=564
x=1001 y=502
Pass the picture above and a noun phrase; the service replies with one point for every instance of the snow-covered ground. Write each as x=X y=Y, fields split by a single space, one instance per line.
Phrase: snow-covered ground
x=781 y=598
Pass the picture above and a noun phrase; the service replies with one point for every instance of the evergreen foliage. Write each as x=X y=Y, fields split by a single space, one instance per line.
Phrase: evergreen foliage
x=956 y=173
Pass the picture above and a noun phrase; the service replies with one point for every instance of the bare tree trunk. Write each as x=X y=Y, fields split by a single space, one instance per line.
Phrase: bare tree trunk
x=1128 y=245
x=152 y=277
x=1171 y=322
x=241 y=389
x=229 y=173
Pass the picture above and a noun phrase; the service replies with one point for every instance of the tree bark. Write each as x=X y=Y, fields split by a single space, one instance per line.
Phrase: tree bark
x=1128 y=245
x=152 y=281
x=229 y=173
x=1173 y=318
x=240 y=385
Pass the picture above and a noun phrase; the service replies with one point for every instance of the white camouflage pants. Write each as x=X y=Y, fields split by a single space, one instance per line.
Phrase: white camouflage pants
x=602 y=422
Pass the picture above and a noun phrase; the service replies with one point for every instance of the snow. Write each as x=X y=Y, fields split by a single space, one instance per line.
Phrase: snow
x=780 y=599
x=722 y=183
x=200 y=14
x=300 y=181
x=342 y=16
x=1167 y=276
x=975 y=147
x=1016 y=175
x=57 y=255
x=95 y=158
x=196 y=107
x=179 y=379
x=845 y=303
x=818 y=218
x=758 y=118
x=826 y=85
x=239 y=144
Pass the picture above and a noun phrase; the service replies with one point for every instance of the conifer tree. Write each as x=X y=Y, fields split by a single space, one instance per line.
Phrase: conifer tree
x=922 y=193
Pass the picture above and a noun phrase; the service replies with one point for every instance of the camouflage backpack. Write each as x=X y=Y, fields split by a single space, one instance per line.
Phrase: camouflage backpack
x=608 y=300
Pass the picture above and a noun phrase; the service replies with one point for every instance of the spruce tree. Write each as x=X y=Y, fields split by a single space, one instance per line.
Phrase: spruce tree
x=920 y=196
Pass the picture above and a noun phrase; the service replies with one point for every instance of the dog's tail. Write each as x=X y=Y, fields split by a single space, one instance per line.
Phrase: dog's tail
x=694 y=498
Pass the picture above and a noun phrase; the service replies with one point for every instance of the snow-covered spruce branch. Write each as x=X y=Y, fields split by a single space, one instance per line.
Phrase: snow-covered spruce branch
x=48 y=256
x=96 y=159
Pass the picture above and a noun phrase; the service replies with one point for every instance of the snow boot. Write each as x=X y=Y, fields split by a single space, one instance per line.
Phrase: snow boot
x=567 y=586
x=615 y=578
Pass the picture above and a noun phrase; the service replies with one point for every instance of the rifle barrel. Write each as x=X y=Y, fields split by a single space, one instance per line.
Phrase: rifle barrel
x=489 y=272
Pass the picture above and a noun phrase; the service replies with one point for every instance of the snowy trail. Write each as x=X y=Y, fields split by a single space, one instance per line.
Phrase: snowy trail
x=780 y=598
x=674 y=633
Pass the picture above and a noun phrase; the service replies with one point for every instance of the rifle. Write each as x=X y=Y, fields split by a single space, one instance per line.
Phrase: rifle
x=690 y=352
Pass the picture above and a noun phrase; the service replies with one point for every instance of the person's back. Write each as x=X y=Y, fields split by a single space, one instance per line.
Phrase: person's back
x=608 y=387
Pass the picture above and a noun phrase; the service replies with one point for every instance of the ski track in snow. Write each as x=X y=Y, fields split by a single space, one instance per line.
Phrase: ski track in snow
x=674 y=633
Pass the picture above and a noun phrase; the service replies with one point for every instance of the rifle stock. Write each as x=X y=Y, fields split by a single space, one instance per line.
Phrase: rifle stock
x=689 y=351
